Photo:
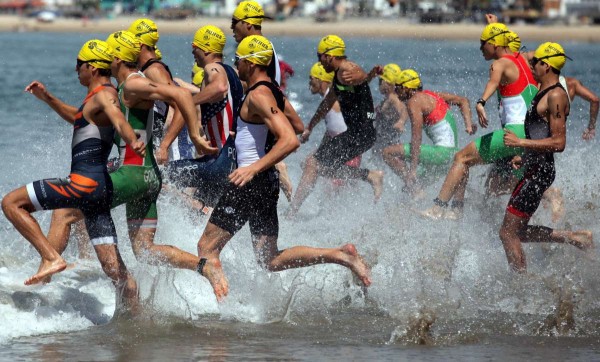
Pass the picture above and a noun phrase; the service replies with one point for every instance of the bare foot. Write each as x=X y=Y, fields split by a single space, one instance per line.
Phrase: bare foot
x=48 y=279
x=375 y=178
x=433 y=213
x=582 y=239
x=213 y=271
x=357 y=264
x=46 y=269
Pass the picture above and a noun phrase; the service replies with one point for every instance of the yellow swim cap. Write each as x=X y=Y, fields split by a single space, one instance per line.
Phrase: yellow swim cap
x=514 y=42
x=552 y=54
x=96 y=53
x=146 y=31
x=495 y=33
x=256 y=49
x=250 y=12
x=409 y=79
x=198 y=77
x=317 y=71
x=391 y=73
x=158 y=54
x=125 y=45
x=195 y=69
x=210 y=39
x=332 y=45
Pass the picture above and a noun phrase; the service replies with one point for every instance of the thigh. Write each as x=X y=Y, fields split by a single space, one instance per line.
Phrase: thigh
x=436 y=155
x=232 y=209
x=528 y=193
x=263 y=219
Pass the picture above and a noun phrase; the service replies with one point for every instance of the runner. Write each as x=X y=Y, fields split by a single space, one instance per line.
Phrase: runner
x=168 y=144
x=429 y=111
x=351 y=89
x=264 y=137
x=88 y=186
x=511 y=77
x=391 y=114
x=545 y=129
x=137 y=181
x=247 y=20
x=220 y=99
x=320 y=83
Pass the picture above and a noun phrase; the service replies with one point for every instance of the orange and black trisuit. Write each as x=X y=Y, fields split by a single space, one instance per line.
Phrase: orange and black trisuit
x=88 y=187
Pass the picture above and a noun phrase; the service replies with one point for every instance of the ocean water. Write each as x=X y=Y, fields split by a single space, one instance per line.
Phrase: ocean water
x=440 y=290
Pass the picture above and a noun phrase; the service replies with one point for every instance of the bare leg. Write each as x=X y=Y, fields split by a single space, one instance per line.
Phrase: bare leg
x=115 y=269
x=267 y=252
x=17 y=208
x=212 y=241
x=394 y=157
x=285 y=183
x=83 y=240
x=582 y=239
x=553 y=196
x=142 y=240
x=456 y=181
x=307 y=182
x=513 y=227
x=375 y=178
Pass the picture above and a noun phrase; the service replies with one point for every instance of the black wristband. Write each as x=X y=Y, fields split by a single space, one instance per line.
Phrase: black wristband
x=200 y=266
x=481 y=101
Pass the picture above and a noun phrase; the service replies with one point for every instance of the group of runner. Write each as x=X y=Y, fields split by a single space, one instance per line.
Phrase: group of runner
x=223 y=139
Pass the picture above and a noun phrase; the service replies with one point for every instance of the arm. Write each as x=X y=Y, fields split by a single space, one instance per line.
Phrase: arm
x=321 y=112
x=189 y=86
x=110 y=105
x=496 y=71
x=588 y=95
x=293 y=117
x=66 y=111
x=402 y=114
x=556 y=114
x=173 y=129
x=377 y=70
x=216 y=86
x=351 y=74
x=416 y=121
x=465 y=109
x=262 y=105
x=141 y=88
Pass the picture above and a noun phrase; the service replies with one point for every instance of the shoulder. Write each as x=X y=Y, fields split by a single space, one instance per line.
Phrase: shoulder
x=157 y=73
x=557 y=95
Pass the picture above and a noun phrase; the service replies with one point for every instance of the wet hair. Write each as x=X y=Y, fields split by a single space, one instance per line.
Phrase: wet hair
x=105 y=72
x=130 y=65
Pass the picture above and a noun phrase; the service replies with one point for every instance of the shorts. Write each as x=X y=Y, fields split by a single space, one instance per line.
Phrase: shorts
x=255 y=202
x=208 y=174
x=528 y=193
x=137 y=187
x=433 y=155
x=491 y=146
x=91 y=193
x=335 y=152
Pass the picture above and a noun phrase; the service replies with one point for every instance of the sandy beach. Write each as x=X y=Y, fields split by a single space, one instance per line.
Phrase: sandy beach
x=370 y=27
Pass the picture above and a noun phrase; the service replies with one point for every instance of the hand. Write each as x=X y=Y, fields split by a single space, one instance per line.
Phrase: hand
x=589 y=134
x=305 y=135
x=511 y=139
x=161 y=155
x=242 y=175
x=491 y=18
x=377 y=70
x=352 y=76
x=38 y=89
x=517 y=162
x=203 y=147
x=139 y=147
x=481 y=115
x=471 y=129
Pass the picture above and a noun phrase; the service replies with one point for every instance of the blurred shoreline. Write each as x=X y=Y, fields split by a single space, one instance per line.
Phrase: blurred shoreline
x=352 y=27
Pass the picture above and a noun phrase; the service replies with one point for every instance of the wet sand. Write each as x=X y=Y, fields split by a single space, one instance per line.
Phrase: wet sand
x=371 y=27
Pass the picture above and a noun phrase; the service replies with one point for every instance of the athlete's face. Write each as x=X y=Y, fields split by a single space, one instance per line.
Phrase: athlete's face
x=539 y=69
x=242 y=66
x=83 y=72
x=197 y=53
x=403 y=93
x=314 y=84
x=487 y=50
x=240 y=30
x=326 y=62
